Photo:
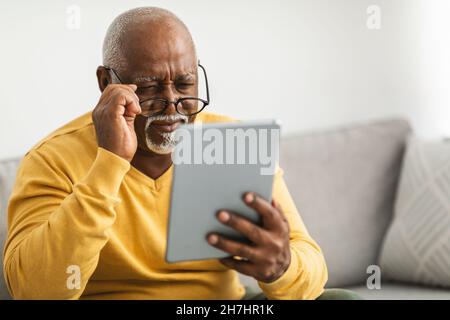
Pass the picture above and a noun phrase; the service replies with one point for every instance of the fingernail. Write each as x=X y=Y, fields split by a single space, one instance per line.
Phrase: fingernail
x=212 y=239
x=249 y=197
x=224 y=216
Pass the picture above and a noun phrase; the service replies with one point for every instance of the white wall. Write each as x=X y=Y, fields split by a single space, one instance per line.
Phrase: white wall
x=313 y=63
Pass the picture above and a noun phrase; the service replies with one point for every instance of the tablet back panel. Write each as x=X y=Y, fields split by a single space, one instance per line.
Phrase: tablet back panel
x=199 y=191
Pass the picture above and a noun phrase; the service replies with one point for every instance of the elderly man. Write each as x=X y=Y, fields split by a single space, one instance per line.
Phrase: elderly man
x=88 y=213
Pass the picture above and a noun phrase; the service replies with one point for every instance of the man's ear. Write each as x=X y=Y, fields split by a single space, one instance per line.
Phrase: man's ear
x=103 y=77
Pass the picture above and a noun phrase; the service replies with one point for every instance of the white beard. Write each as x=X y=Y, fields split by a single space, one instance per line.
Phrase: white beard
x=169 y=142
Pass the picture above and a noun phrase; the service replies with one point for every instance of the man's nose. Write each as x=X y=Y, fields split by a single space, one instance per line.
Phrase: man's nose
x=169 y=95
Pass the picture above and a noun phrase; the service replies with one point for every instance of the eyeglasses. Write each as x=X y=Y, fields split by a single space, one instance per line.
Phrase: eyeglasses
x=186 y=106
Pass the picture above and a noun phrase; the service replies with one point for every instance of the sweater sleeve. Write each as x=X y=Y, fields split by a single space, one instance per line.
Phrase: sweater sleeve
x=56 y=228
x=307 y=273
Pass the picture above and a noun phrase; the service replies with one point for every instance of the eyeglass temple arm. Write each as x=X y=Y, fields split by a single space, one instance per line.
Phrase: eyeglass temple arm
x=206 y=80
x=115 y=74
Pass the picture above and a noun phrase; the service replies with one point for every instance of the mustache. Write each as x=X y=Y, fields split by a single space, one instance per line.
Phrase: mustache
x=167 y=117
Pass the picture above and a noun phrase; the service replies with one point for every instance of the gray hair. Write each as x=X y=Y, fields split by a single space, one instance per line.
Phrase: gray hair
x=113 y=56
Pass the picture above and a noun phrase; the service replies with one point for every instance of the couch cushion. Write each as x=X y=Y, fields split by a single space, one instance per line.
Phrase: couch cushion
x=344 y=183
x=398 y=291
x=8 y=170
x=417 y=246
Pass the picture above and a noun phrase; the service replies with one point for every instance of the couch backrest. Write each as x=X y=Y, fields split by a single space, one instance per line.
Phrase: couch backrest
x=8 y=170
x=344 y=182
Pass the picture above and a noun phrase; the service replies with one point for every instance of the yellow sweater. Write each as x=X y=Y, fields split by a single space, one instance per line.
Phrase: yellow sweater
x=75 y=204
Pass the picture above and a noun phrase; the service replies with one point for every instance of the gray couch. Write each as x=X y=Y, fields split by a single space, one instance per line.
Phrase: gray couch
x=343 y=182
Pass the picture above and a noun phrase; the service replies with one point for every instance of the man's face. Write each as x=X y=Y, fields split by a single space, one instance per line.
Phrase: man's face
x=163 y=64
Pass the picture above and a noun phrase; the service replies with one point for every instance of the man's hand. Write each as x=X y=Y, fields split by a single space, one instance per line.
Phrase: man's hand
x=113 y=119
x=268 y=256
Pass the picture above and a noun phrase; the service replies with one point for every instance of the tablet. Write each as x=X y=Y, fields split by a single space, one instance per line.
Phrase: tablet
x=214 y=165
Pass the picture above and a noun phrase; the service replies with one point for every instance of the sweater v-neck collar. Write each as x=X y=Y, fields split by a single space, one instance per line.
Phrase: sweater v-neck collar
x=154 y=184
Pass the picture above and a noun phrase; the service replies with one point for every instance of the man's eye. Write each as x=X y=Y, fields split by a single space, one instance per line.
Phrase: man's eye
x=148 y=86
x=147 y=89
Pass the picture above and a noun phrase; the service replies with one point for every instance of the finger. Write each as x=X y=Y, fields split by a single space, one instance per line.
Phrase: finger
x=234 y=248
x=114 y=89
x=132 y=87
x=247 y=228
x=132 y=107
x=270 y=215
x=240 y=266
x=128 y=101
x=115 y=86
x=277 y=206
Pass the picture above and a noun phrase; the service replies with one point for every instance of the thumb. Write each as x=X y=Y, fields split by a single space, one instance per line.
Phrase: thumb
x=132 y=86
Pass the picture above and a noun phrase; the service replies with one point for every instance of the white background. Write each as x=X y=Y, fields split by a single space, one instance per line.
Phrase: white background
x=313 y=64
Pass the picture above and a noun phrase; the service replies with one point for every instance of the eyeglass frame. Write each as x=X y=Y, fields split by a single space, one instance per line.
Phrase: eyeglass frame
x=176 y=102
